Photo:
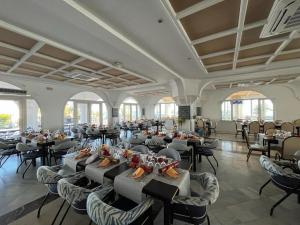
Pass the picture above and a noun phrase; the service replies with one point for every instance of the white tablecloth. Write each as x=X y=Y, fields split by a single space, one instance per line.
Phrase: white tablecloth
x=132 y=189
x=97 y=173
x=261 y=140
x=71 y=162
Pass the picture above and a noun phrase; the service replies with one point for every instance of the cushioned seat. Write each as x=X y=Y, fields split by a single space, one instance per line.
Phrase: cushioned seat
x=206 y=149
x=253 y=147
x=169 y=153
x=141 y=148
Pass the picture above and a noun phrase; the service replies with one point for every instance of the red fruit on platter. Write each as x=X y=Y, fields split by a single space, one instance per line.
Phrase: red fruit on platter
x=135 y=159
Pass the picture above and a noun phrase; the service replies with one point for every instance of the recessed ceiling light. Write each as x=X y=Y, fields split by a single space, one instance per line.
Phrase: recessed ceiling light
x=160 y=20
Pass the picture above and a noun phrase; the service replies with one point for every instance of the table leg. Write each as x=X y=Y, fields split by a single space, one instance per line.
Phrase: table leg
x=269 y=149
x=167 y=212
x=194 y=158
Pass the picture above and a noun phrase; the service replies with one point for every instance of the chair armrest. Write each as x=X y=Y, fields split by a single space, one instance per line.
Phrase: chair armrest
x=192 y=201
x=139 y=210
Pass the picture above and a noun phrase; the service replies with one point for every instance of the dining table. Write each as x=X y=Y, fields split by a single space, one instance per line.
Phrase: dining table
x=161 y=187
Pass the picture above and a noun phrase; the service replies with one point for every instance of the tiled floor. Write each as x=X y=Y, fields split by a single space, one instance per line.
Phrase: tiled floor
x=238 y=203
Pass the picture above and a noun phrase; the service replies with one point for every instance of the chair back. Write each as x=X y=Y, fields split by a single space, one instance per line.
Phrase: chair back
x=23 y=147
x=104 y=214
x=254 y=127
x=213 y=124
x=178 y=146
x=200 y=123
x=3 y=145
x=170 y=153
x=49 y=176
x=269 y=125
x=270 y=132
x=287 y=126
x=290 y=145
x=141 y=148
x=214 y=144
x=238 y=125
x=297 y=123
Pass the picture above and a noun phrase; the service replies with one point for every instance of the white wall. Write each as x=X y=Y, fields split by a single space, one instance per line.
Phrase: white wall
x=286 y=104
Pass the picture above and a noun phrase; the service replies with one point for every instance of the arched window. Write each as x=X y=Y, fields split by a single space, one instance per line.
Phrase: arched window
x=85 y=107
x=166 y=108
x=129 y=110
x=247 y=105
x=17 y=110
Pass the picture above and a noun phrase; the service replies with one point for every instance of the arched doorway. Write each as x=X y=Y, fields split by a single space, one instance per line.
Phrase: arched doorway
x=85 y=107
x=247 y=105
x=166 y=108
x=18 y=111
x=129 y=110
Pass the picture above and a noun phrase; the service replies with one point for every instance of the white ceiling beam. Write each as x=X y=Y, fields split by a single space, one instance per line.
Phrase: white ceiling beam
x=196 y=8
x=292 y=35
x=8 y=58
x=12 y=47
x=180 y=29
x=39 y=65
x=96 y=19
x=80 y=59
x=228 y=32
x=242 y=17
x=254 y=58
x=34 y=49
x=213 y=86
x=290 y=51
x=218 y=64
x=230 y=86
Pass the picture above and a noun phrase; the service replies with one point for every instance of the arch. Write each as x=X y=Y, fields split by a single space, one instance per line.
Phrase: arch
x=19 y=112
x=166 y=108
x=247 y=104
x=85 y=107
x=129 y=109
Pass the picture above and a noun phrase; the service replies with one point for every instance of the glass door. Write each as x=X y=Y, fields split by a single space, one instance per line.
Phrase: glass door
x=127 y=112
x=95 y=113
x=82 y=113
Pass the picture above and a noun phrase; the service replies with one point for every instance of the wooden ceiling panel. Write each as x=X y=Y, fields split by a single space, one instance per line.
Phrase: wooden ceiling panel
x=45 y=62
x=179 y=5
x=218 y=59
x=252 y=62
x=141 y=81
x=57 y=53
x=263 y=50
x=15 y=39
x=217 y=18
x=58 y=78
x=294 y=44
x=91 y=64
x=7 y=62
x=258 y=10
x=216 y=45
x=4 y=68
x=116 y=80
x=129 y=77
x=114 y=72
x=295 y=55
x=252 y=36
x=27 y=72
x=10 y=53
x=35 y=68
x=217 y=68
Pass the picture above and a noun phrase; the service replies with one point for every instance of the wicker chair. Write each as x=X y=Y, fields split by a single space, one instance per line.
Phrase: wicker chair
x=6 y=151
x=193 y=209
x=254 y=128
x=253 y=147
x=290 y=145
x=104 y=214
x=287 y=126
x=269 y=125
x=286 y=181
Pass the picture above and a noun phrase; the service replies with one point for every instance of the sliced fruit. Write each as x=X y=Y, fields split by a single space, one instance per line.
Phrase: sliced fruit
x=172 y=173
x=138 y=173
x=105 y=162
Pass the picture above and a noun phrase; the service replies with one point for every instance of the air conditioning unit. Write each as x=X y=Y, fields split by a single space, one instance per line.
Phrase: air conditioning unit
x=284 y=17
x=80 y=75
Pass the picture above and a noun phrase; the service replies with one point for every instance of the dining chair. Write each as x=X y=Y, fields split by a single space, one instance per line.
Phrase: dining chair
x=269 y=125
x=75 y=191
x=170 y=153
x=254 y=147
x=290 y=146
x=270 y=132
x=185 y=151
x=6 y=151
x=28 y=153
x=134 y=141
x=155 y=144
x=254 y=128
x=287 y=126
x=141 y=148
x=49 y=176
x=113 y=135
x=206 y=149
x=201 y=127
x=59 y=150
x=212 y=127
x=284 y=180
x=193 y=209
x=238 y=128
x=114 y=214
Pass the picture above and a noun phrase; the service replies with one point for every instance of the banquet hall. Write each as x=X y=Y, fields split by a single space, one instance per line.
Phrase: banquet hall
x=166 y=112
